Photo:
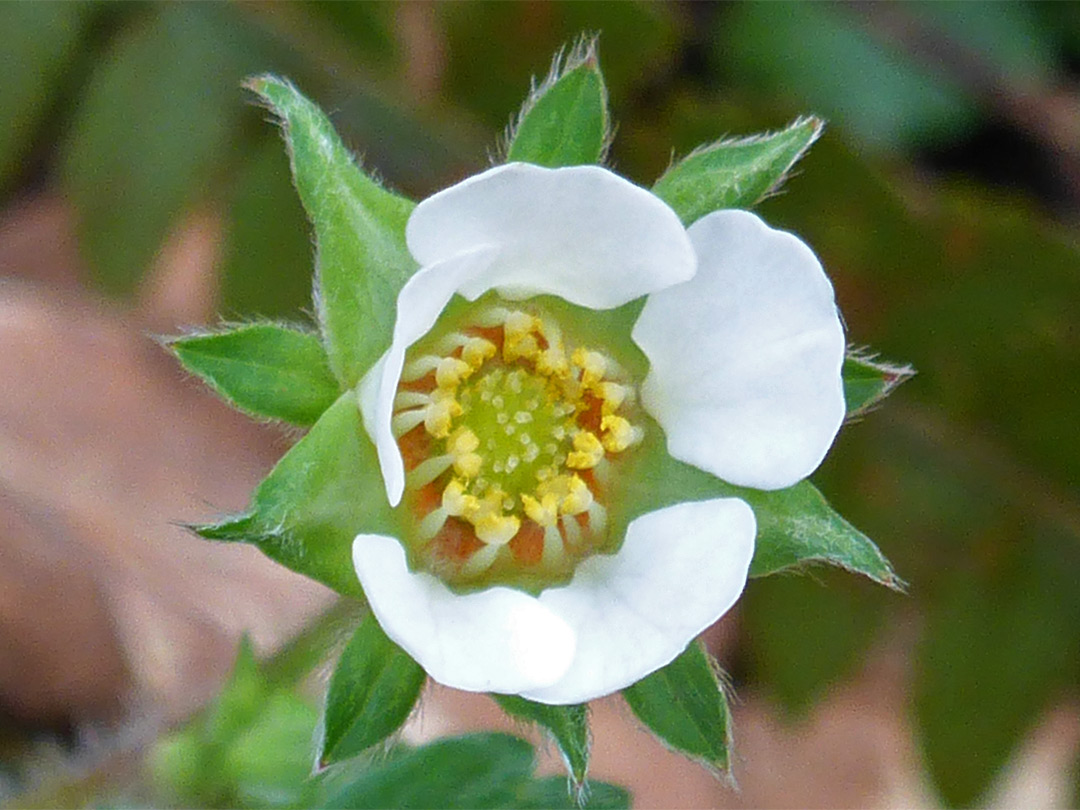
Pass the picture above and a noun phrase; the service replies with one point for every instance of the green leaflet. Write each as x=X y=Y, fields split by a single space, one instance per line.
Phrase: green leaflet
x=564 y=122
x=734 y=173
x=362 y=261
x=684 y=705
x=372 y=691
x=263 y=368
x=568 y=726
x=457 y=773
x=323 y=492
x=868 y=381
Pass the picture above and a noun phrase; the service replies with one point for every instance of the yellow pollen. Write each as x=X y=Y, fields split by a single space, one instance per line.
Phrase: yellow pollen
x=613 y=395
x=593 y=366
x=578 y=497
x=587 y=451
x=525 y=347
x=497 y=530
x=544 y=511
x=451 y=371
x=462 y=446
x=462 y=441
x=440 y=416
x=456 y=502
x=514 y=421
x=468 y=464
x=619 y=433
x=476 y=351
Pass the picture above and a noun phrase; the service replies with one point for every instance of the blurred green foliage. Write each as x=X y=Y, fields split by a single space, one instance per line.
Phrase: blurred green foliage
x=253 y=747
x=967 y=479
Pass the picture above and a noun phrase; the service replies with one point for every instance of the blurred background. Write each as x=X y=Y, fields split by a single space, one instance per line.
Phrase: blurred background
x=140 y=194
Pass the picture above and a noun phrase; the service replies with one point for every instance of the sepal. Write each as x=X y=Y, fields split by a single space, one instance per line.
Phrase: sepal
x=361 y=258
x=867 y=381
x=565 y=120
x=684 y=705
x=567 y=725
x=373 y=690
x=322 y=493
x=735 y=173
x=266 y=369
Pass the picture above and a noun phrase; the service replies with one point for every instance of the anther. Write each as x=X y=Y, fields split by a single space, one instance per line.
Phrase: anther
x=451 y=371
x=587 y=451
x=497 y=530
x=593 y=366
x=619 y=434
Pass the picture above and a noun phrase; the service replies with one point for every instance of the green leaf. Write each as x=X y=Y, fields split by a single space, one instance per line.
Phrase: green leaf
x=796 y=526
x=362 y=261
x=564 y=122
x=868 y=381
x=474 y=771
x=176 y=70
x=263 y=368
x=372 y=691
x=37 y=45
x=735 y=173
x=568 y=725
x=327 y=489
x=684 y=705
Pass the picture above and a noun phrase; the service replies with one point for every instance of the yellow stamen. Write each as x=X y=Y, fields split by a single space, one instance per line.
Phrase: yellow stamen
x=476 y=351
x=468 y=464
x=497 y=530
x=544 y=511
x=613 y=395
x=462 y=441
x=451 y=371
x=587 y=451
x=578 y=497
x=440 y=416
x=619 y=434
x=456 y=503
x=593 y=366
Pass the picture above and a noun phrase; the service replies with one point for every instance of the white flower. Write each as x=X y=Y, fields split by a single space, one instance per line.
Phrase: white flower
x=745 y=347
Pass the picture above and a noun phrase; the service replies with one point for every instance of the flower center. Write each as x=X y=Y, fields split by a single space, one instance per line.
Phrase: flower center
x=508 y=435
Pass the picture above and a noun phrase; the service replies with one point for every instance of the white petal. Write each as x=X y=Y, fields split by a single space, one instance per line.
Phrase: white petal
x=745 y=357
x=581 y=233
x=679 y=570
x=498 y=640
x=419 y=305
